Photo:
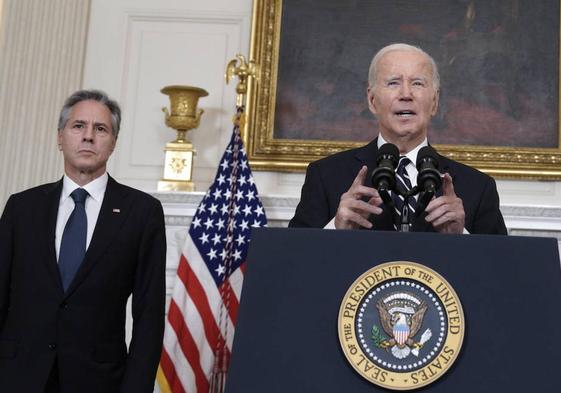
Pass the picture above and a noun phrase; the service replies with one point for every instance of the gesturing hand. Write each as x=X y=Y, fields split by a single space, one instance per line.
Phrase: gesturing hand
x=353 y=212
x=446 y=213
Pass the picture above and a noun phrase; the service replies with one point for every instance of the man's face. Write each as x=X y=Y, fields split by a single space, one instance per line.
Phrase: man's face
x=403 y=99
x=87 y=139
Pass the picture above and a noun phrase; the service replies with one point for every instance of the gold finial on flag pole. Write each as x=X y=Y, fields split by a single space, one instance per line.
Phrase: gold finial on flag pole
x=243 y=70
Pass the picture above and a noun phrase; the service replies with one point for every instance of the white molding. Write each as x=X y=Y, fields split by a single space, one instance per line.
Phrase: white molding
x=157 y=14
x=532 y=219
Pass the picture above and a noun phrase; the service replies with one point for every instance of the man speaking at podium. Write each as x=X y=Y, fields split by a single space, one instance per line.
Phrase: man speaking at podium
x=403 y=94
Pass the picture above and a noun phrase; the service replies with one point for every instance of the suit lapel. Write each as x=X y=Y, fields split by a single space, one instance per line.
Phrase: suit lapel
x=53 y=200
x=367 y=155
x=113 y=213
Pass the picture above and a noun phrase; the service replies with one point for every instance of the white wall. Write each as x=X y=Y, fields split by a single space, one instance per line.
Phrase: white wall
x=136 y=47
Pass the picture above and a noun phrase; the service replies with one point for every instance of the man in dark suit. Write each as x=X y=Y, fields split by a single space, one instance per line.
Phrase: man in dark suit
x=403 y=93
x=71 y=254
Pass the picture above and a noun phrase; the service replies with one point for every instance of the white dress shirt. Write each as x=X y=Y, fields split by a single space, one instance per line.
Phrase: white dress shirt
x=96 y=190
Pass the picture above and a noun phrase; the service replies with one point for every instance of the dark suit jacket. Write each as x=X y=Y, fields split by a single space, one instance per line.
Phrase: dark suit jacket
x=85 y=327
x=327 y=179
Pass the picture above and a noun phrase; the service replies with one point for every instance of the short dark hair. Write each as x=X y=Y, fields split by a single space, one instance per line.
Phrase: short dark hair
x=94 y=95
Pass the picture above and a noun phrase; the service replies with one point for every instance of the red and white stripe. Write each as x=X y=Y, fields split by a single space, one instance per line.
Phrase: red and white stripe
x=193 y=323
x=401 y=333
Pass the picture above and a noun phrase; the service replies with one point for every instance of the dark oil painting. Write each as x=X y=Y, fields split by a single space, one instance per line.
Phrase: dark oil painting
x=498 y=61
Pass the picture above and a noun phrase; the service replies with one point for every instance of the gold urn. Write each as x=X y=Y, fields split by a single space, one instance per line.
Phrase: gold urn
x=184 y=116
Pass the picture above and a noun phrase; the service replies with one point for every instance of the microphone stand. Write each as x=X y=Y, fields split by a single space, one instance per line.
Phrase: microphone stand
x=405 y=223
x=424 y=198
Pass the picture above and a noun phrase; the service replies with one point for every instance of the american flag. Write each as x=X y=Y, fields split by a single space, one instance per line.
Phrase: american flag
x=202 y=314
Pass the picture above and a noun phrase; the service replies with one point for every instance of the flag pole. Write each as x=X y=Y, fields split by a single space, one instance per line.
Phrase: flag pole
x=243 y=70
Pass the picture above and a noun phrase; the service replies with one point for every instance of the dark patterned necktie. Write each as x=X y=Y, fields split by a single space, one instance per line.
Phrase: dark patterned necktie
x=403 y=185
x=73 y=245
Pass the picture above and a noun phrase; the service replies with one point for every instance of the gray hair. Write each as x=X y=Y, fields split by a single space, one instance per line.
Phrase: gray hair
x=93 y=95
x=402 y=47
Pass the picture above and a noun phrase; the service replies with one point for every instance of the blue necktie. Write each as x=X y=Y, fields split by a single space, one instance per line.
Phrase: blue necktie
x=73 y=245
x=403 y=184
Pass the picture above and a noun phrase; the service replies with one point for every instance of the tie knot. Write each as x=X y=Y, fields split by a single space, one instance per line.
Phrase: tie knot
x=403 y=162
x=79 y=195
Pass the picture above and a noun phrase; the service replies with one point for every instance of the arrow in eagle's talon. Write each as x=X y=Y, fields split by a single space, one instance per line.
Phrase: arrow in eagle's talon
x=424 y=338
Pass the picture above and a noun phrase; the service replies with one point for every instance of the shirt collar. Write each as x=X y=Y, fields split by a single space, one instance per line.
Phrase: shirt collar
x=412 y=155
x=95 y=188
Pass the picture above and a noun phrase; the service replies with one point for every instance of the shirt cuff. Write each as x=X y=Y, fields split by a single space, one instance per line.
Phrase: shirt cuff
x=330 y=224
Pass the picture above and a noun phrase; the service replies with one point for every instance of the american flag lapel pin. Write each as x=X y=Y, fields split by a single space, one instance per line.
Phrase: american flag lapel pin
x=116 y=210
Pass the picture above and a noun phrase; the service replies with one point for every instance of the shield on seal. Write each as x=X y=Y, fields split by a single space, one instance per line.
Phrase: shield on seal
x=401 y=330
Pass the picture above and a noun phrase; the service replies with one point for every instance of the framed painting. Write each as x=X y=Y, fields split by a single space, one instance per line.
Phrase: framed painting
x=498 y=61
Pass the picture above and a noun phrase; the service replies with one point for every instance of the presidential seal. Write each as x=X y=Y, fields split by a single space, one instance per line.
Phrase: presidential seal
x=401 y=325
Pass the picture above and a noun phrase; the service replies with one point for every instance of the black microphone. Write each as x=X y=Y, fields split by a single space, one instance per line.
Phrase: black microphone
x=383 y=177
x=428 y=179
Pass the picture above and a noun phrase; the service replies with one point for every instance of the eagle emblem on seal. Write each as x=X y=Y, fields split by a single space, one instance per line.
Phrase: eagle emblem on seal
x=401 y=316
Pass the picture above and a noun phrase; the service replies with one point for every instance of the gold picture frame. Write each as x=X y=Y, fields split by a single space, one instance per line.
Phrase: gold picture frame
x=268 y=152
